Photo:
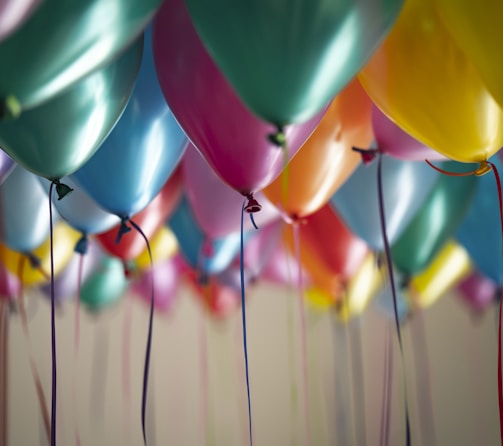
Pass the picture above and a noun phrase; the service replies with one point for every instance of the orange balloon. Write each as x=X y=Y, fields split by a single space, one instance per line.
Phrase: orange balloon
x=326 y=159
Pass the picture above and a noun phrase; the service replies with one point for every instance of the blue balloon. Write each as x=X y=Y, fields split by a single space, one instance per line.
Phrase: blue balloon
x=406 y=184
x=209 y=256
x=141 y=152
x=480 y=232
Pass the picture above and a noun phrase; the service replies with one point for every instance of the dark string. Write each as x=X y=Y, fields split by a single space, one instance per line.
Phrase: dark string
x=76 y=335
x=253 y=220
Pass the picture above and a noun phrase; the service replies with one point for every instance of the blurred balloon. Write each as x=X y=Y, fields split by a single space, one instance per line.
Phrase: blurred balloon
x=287 y=61
x=104 y=287
x=24 y=210
x=477 y=291
x=326 y=159
x=141 y=152
x=150 y=220
x=13 y=13
x=163 y=246
x=406 y=185
x=6 y=166
x=436 y=221
x=425 y=83
x=10 y=286
x=217 y=207
x=59 y=136
x=64 y=241
x=61 y=43
x=230 y=137
x=450 y=266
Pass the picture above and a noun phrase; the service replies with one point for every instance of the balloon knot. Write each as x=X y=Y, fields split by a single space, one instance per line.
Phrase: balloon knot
x=368 y=155
x=35 y=262
x=278 y=138
x=405 y=282
x=82 y=245
x=483 y=168
x=123 y=229
x=129 y=269
x=380 y=260
x=62 y=189
x=10 y=108
x=253 y=205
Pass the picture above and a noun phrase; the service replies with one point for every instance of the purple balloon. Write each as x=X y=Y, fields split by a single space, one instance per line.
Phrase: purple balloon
x=7 y=164
x=13 y=13
x=478 y=291
x=10 y=286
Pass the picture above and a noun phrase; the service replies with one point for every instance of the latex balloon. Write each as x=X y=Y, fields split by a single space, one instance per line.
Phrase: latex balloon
x=288 y=61
x=150 y=220
x=59 y=136
x=231 y=138
x=217 y=207
x=326 y=160
x=424 y=82
x=80 y=211
x=6 y=166
x=393 y=141
x=25 y=211
x=477 y=291
x=64 y=240
x=62 y=43
x=13 y=13
x=437 y=220
x=140 y=153
x=406 y=185
x=477 y=30
x=163 y=246
x=105 y=287
x=450 y=266
x=9 y=284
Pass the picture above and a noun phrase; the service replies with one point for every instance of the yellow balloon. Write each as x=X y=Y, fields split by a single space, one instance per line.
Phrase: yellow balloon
x=476 y=26
x=450 y=266
x=64 y=238
x=319 y=299
x=424 y=82
x=163 y=246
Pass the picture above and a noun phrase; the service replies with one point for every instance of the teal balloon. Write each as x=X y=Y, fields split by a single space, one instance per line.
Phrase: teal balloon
x=58 y=137
x=285 y=59
x=436 y=222
x=105 y=286
x=63 y=41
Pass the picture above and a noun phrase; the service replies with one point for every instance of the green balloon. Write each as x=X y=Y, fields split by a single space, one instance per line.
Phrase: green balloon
x=58 y=137
x=287 y=59
x=63 y=41
x=436 y=222
x=105 y=286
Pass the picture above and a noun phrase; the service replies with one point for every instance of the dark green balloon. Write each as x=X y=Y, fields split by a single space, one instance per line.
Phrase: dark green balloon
x=63 y=41
x=287 y=59
x=58 y=137
x=436 y=222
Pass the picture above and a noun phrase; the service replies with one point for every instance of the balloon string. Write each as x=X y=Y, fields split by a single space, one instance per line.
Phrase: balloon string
x=243 y=317
x=149 y=336
x=387 y=250
x=303 y=334
x=389 y=385
x=252 y=218
x=203 y=352
x=33 y=366
x=126 y=363
x=76 y=340
x=4 y=355
x=481 y=170
x=385 y=401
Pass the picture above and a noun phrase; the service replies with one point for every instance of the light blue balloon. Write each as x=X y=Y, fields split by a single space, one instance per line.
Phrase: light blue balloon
x=406 y=184
x=140 y=153
x=383 y=302
x=193 y=242
x=480 y=232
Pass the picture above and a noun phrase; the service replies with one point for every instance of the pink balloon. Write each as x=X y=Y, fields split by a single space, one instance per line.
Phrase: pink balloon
x=9 y=284
x=13 y=13
x=393 y=141
x=478 y=291
x=230 y=137
x=217 y=207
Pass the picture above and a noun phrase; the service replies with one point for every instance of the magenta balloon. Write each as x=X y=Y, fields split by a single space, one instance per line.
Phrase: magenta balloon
x=478 y=291
x=10 y=286
x=13 y=13
x=230 y=137
x=393 y=141
x=217 y=207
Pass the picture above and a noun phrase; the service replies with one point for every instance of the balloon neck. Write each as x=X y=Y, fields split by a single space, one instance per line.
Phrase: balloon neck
x=253 y=205
x=62 y=189
x=380 y=259
x=405 y=282
x=82 y=245
x=483 y=168
x=368 y=155
x=123 y=229
x=35 y=262
x=278 y=138
x=10 y=108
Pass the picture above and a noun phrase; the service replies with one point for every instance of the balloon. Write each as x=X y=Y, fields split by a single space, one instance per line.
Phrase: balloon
x=217 y=207
x=10 y=286
x=61 y=43
x=326 y=160
x=230 y=137
x=477 y=30
x=13 y=13
x=287 y=61
x=58 y=137
x=163 y=246
x=150 y=220
x=477 y=291
x=450 y=266
x=140 y=153
x=425 y=83
x=436 y=221
x=393 y=141
x=105 y=286
x=406 y=185
x=64 y=240
x=6 y=166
